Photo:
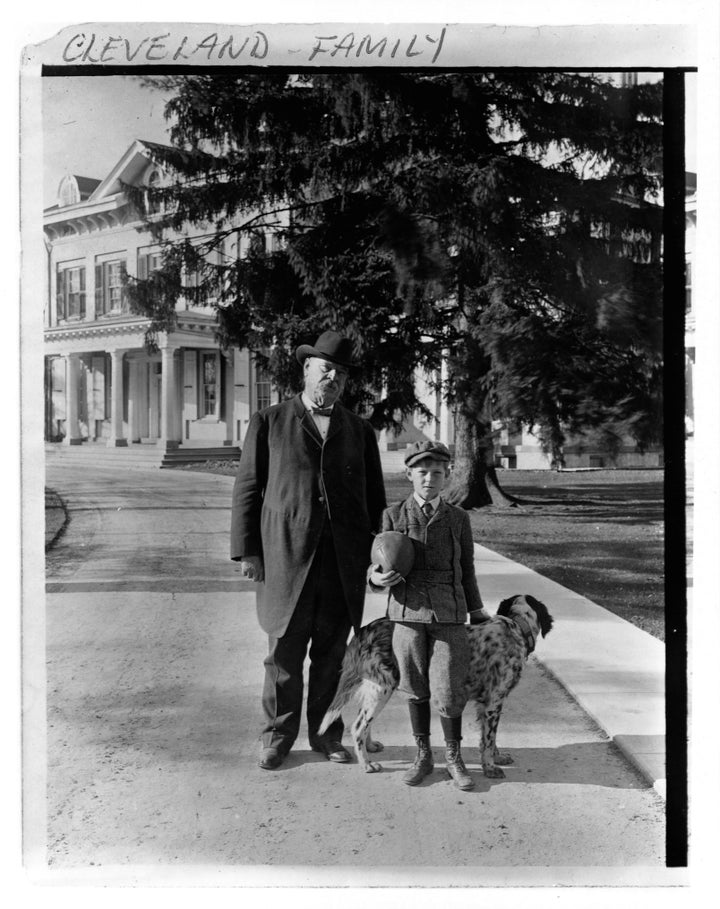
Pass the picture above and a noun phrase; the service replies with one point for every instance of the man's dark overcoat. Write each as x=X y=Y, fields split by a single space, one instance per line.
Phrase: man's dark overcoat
x=289 y=483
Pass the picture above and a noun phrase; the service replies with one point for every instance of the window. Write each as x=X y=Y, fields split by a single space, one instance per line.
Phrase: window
x=147 y=264
x=109 y=287
x=68 y=192
x=154 y=181
x=263 y=388
x=71 y=293
x=192 y=279
x=227 y=262
x=114 y=286
x=209 y=384
x=154 y=262
x=256 y=245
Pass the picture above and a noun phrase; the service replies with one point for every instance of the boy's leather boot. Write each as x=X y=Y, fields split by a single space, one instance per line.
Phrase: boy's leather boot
x=423 y=763
x=454 y=765
x=420 y=725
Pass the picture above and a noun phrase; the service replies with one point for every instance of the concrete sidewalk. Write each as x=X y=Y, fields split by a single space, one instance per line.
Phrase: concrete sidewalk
x=615 y=671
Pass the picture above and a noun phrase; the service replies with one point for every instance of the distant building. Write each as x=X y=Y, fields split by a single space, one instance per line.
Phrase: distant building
x=101 y=383
x=103 y=386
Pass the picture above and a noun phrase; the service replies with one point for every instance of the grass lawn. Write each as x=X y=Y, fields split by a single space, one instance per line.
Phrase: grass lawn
x=599 y=533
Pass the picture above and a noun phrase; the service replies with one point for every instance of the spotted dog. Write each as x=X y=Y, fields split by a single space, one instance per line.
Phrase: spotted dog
x=499 y=650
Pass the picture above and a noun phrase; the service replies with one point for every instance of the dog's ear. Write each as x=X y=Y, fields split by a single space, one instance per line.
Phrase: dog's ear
x=504 y=607
x=544 y=618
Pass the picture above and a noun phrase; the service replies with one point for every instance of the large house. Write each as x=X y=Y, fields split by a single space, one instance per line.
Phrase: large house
x=104 y=387
x=102 y=383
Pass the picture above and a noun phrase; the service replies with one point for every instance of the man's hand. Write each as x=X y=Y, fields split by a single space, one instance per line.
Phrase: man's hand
x=384 y=578
x=252 y=568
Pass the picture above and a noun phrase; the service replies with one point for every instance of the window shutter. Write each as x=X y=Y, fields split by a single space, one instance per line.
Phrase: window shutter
x=123 y=276
x=99 y=292
x=60 y=295
x=143 y=266
x=82 y=293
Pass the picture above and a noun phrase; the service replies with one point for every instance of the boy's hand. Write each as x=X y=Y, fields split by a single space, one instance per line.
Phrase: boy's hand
x=479 y=616
x=384 y=578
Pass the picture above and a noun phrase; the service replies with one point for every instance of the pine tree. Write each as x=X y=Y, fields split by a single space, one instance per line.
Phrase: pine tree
x=498 y=221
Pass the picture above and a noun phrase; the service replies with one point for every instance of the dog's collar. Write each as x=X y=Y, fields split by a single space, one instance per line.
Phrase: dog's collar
x=527 y=632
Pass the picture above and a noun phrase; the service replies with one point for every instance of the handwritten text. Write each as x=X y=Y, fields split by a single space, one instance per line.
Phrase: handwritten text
x=93 y=48
x=96 y=47
x=364 y=46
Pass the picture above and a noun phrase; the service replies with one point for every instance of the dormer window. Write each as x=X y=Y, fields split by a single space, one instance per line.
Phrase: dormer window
x=68 y=191
x=154 y=179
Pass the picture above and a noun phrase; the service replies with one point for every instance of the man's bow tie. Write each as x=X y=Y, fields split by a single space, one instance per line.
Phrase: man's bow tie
x=321 y=411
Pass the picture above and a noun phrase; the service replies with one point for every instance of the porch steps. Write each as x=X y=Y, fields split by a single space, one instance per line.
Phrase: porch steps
x=138 y=456
x=174 y=457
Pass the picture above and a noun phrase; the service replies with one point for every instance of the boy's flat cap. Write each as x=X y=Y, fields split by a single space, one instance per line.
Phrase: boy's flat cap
x=434 y=450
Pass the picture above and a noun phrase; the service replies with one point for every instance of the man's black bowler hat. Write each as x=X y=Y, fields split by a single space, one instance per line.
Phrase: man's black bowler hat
x=329 y=346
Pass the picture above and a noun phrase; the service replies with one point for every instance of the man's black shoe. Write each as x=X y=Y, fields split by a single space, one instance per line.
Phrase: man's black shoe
x=271 y=758
x=333 y=750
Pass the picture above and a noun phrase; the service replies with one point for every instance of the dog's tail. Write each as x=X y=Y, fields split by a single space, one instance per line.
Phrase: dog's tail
x=348 y=684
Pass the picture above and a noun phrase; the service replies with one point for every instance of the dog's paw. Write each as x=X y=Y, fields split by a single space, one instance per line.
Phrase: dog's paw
x=372 y=767
x=502 y=757
x=373 y=746
x=493 y=772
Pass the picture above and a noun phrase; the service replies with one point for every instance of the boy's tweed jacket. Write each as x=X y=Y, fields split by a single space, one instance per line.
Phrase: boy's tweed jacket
x=441 y=587
x=289 y=487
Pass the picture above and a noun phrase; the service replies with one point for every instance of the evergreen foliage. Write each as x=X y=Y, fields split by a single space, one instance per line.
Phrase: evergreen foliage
x=498 y=219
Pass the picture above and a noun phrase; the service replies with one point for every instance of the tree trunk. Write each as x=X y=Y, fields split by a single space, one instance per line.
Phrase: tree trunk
x=474 y=481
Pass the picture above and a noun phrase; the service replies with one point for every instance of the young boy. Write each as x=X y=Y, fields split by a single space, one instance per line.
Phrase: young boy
x=430 y=607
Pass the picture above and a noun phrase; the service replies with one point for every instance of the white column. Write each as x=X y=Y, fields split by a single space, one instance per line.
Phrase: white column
x=227 y=361
x=72 y=400
x=134 y=402
x=117 y=438
x=241 y=394
x=169 y=399
x=153 y=403
x=189 y=393
x=143 y=402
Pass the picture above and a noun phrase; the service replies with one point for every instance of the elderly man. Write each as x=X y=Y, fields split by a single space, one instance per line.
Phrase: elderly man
x=308 y=495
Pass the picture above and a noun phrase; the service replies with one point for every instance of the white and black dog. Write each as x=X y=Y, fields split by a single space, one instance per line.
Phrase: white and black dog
x=499 y=650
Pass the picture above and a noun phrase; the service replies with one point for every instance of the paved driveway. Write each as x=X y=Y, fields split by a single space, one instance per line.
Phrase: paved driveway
x=154 y=663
